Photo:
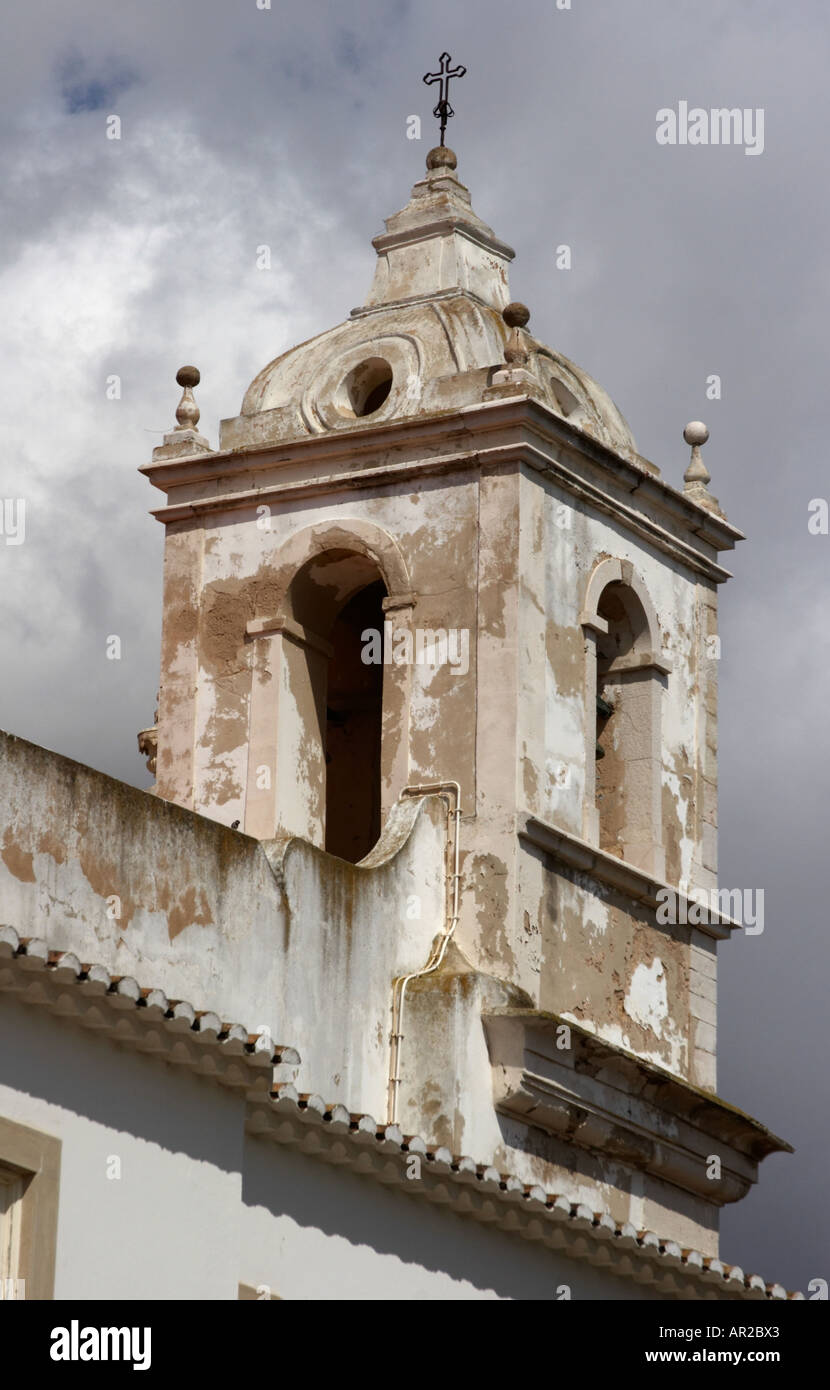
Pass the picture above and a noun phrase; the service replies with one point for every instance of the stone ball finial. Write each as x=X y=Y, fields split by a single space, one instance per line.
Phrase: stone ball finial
x=697 y=478
x=695 y=433
x=187 y=411
x=697 y=474
x=516 y=315
x=442 y=157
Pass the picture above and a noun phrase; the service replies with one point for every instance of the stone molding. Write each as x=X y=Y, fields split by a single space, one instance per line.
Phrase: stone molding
x=343 y=449
x=616 y=873
x=597 y=1096
x=303 y=636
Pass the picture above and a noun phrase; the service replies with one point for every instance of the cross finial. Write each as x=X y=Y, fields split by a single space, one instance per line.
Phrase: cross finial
x=442 y=109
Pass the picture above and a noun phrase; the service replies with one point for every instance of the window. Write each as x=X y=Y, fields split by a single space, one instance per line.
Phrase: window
x=11 y=1210
x=29 y=1177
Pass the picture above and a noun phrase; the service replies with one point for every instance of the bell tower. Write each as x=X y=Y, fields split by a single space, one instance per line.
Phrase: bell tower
x=427 y=557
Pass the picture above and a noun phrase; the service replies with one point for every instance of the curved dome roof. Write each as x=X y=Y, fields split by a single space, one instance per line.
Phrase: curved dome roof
x=429 y=337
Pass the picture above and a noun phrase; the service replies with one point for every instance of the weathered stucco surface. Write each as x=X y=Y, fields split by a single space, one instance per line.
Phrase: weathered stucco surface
x=505 y=553
x=507 y=502
x=275 y=935
x=471 y=481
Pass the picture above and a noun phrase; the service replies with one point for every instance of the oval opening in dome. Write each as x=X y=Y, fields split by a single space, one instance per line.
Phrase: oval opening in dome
x=365 y=388
x=564 y=398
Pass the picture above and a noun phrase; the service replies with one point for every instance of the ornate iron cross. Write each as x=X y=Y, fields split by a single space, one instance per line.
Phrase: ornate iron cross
x=442 y=110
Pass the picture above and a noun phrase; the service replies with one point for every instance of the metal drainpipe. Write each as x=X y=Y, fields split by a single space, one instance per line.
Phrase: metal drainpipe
x=436 y=955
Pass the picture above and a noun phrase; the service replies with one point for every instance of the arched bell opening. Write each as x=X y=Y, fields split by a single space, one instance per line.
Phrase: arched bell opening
x=354 y=726
x=627 y=777
x=335 y=685
x=625 y=676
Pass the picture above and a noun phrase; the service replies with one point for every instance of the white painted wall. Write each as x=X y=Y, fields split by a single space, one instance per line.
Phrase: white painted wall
x=321 y=1232
x=199 y=1208
x=167 y=1229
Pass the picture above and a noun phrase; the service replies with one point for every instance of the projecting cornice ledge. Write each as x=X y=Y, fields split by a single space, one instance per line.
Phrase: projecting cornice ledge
x=601 y=1098
x=595 y=864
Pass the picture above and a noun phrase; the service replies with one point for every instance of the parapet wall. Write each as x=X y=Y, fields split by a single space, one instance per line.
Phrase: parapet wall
x=268 y=934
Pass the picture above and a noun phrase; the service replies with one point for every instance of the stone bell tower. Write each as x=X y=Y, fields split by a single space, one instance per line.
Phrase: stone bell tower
x=427 y=556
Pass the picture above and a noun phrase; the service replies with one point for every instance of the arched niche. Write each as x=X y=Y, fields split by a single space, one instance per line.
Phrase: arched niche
x=624 y=679
x=329 y=724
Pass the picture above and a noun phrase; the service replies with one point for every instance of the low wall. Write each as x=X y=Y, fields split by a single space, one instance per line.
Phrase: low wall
x=275 y=934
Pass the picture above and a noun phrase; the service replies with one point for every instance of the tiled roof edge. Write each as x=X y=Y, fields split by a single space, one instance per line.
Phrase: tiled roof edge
x=481 y=1191
x=229 y=1054
x=145 y=1018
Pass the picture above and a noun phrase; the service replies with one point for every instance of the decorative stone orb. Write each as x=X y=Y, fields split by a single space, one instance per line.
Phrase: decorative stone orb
x=515 y=315
x=695 y=433
x=442 y=157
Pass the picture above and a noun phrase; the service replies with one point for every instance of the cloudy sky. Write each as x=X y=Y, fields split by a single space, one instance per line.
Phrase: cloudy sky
x=286 y=126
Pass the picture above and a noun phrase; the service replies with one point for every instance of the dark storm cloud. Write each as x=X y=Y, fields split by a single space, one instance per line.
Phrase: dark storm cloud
x=85 y=90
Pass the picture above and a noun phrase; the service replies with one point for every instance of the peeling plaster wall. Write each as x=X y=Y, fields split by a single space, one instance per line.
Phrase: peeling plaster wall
x=455 y=1100
x=506 y=555
x=574 y=945
x=282 y=935
x=490 y=539
x=567 y=541
x=242 y=571
x=599 y=958
x=598 y=954
x=277 y=935
x=179 y=660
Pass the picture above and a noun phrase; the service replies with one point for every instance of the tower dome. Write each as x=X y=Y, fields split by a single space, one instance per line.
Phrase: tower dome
x=429 y=337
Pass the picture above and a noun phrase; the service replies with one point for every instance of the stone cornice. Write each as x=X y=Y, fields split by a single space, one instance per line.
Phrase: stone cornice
x=433 y=297
x=636 y=521
x=550 y=447
x=447 y=225
x=616 y=873
x=602 y=1098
